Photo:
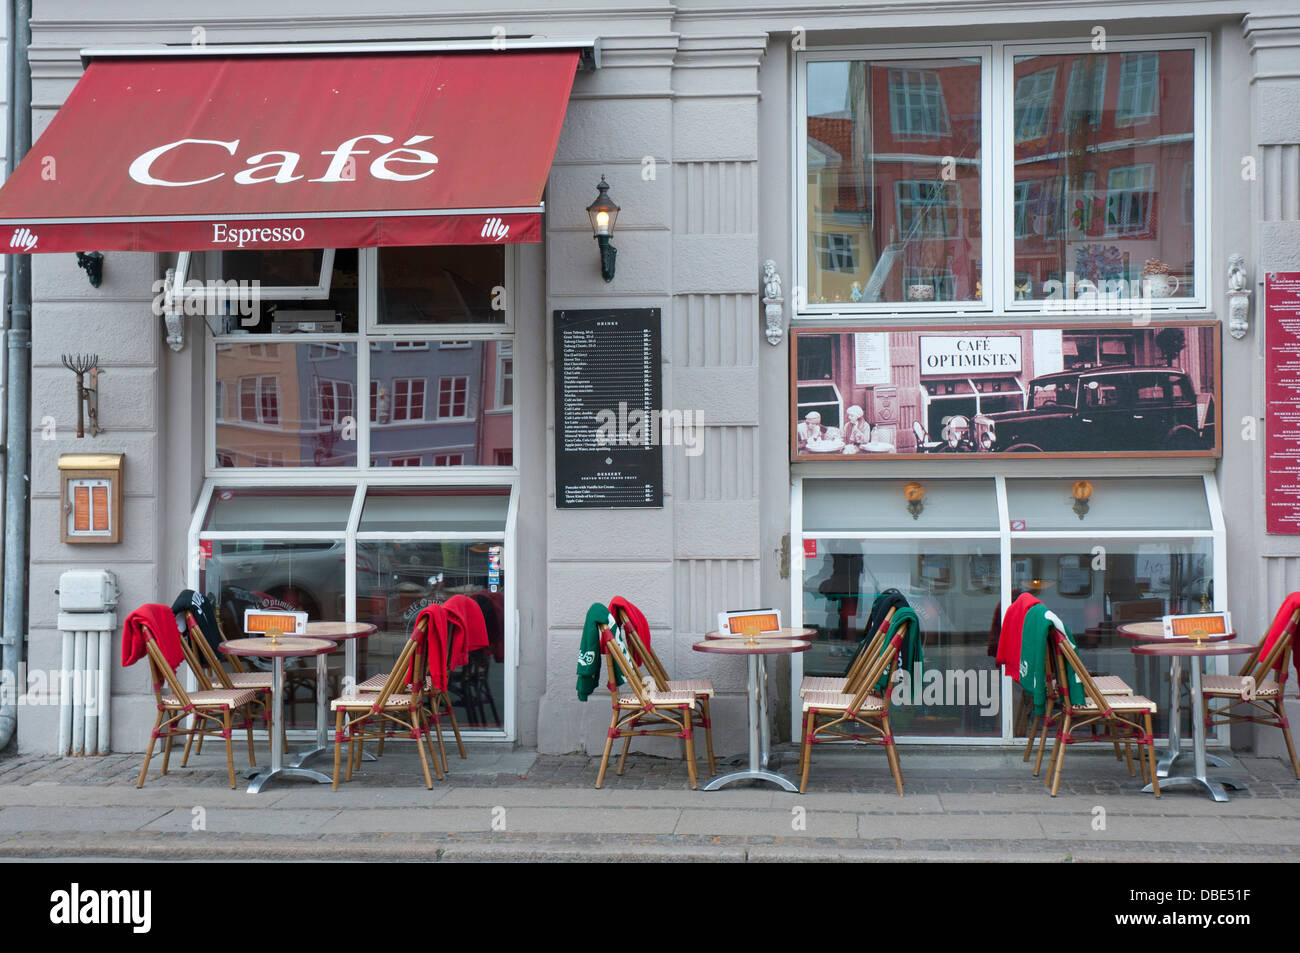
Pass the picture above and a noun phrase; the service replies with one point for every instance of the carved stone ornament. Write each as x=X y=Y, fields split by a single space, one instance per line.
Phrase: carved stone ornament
x=773 y=303
x=1238 y=297
x=172 y=314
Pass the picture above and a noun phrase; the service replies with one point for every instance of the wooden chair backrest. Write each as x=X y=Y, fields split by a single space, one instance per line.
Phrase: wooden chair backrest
x=405 y=673
x=883 y=663
x=1067 y=661
x=647 y=656
x=1278 y=656
x=205 y=655
x=631 y=676
x=235 y=661
x=163 y=674
x=864 y=657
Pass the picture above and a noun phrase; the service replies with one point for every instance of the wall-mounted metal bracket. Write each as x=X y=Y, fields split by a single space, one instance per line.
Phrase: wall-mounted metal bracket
x=87 y=395
x=93 y=263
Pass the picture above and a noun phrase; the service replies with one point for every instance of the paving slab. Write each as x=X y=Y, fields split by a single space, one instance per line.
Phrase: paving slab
x=768 y=823
x=1148 y=830
x=246 y=820
x=24 y=819
x=948 y=827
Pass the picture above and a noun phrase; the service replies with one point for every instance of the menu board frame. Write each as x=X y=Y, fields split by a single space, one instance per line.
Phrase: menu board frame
x=600 y=477
x=1282 y=394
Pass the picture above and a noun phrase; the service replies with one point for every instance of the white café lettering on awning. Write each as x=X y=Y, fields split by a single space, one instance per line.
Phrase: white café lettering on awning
x=970 y=354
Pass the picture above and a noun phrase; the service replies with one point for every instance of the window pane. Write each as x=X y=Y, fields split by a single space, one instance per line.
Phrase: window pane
x=298 y=508
x=848 y=505
x=1103 y=168
x=422 y=509
x=893 y=181
x=1172 y=503
x=1142 y=579
x=275 y=271
x=395 y=580
x=436 y=406
x=443 y=284
x=309 y=576
x=954 y=587
x=297 y=404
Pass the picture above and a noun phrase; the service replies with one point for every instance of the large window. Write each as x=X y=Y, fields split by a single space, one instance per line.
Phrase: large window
x=316 y=376
x=1140 y=549
x=1089 y=191
x=370 y=553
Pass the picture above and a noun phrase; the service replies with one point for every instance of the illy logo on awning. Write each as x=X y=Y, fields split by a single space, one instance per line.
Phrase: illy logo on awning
x=495 y=229
x=24 y=239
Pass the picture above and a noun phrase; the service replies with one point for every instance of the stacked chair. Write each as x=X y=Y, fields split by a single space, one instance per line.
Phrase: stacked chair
x=855 y=709
x=150 y=632
x=1254 y=694
x=399 y=705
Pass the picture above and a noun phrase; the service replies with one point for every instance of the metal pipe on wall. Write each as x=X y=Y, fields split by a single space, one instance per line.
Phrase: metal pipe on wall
x=18 y=392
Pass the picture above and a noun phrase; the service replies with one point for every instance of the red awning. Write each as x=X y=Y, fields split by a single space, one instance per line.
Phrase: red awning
x=210 y=152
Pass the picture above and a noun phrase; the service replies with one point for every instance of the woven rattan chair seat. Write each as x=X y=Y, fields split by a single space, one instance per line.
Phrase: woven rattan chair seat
x=368 y=701
x=1119 y=703
x=696 y=686
x=1111 y=685
x=666 y=699
x=1230 y=685
x=254 y=681
x=213 y=698
x=822 y=683
x=837 y=701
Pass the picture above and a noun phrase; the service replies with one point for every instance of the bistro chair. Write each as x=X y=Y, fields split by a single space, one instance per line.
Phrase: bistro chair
x=841 y=683
x=701 y=688
x=1106 y=684
x=398 y=705
x=203 y=661
x=835 y=717
x=212 y=710
x=640 y=710
x=1119 y=713
x=1266 y=707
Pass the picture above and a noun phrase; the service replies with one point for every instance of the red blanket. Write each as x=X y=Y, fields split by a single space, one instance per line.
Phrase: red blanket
x=1013 y=624
x=1289 y=605
x=471 y=629
x=635 y=618
x=162 y=623
x=436 y=646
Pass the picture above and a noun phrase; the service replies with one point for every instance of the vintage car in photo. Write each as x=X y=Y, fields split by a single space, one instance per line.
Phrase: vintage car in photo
x=1103 y=409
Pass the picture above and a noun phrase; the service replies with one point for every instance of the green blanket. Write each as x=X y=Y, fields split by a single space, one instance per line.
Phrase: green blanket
x=589 y=652
x=911 y=652
x=1035 y=643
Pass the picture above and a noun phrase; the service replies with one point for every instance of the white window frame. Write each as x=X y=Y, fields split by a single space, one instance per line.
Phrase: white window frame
x=997 y=241
x=497 y=478
x=337 y=385
x=317 y=292
x=433 y=330
x=1115 y=193
x=409 y=406
x=921 y=90
x=1133 y=118
x=1074 y=92
x=900 y=57
x=437 y=399
x=260 y=419
x=505 y=352
x=1217 y=534
x=1043 y=82
x=840 y=247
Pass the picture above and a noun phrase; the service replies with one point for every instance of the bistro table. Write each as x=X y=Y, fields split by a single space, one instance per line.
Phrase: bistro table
x=278 y=651
x=1195 y=651
x=759 y=731
x=1155 y=632
x=347 y=632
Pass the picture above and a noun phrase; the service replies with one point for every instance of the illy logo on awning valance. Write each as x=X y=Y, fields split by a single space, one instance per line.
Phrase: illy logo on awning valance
x=494 y=229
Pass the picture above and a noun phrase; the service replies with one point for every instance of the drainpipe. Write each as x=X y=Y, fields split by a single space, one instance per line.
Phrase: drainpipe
x=18 y=342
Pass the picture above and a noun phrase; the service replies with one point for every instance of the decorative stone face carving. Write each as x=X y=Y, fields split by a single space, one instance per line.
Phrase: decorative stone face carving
x=1238 y=297
x=172 y=314
x=773 y=303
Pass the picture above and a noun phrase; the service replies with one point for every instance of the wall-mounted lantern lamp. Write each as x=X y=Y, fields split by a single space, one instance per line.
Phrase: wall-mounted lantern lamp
x=1082 y=493
x=603 y=214
x=92 y=262
x=915 y=494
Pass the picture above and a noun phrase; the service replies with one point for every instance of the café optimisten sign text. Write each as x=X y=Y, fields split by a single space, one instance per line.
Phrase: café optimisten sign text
x=969 y=355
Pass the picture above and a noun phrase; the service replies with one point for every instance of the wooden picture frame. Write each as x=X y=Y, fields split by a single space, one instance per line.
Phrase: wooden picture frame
x=90 y=497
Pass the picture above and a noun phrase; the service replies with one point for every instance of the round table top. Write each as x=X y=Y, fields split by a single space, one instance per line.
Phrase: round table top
x=1192 y=648
x=1155 y=632
x=784 y=633
x=740 y=646
x=290 y=647
x=340 y=630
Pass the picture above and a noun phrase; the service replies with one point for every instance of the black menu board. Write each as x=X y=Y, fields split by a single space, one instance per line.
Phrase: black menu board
x=608 y=391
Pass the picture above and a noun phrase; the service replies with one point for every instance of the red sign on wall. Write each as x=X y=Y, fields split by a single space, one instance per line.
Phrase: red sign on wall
x=1282 y=401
